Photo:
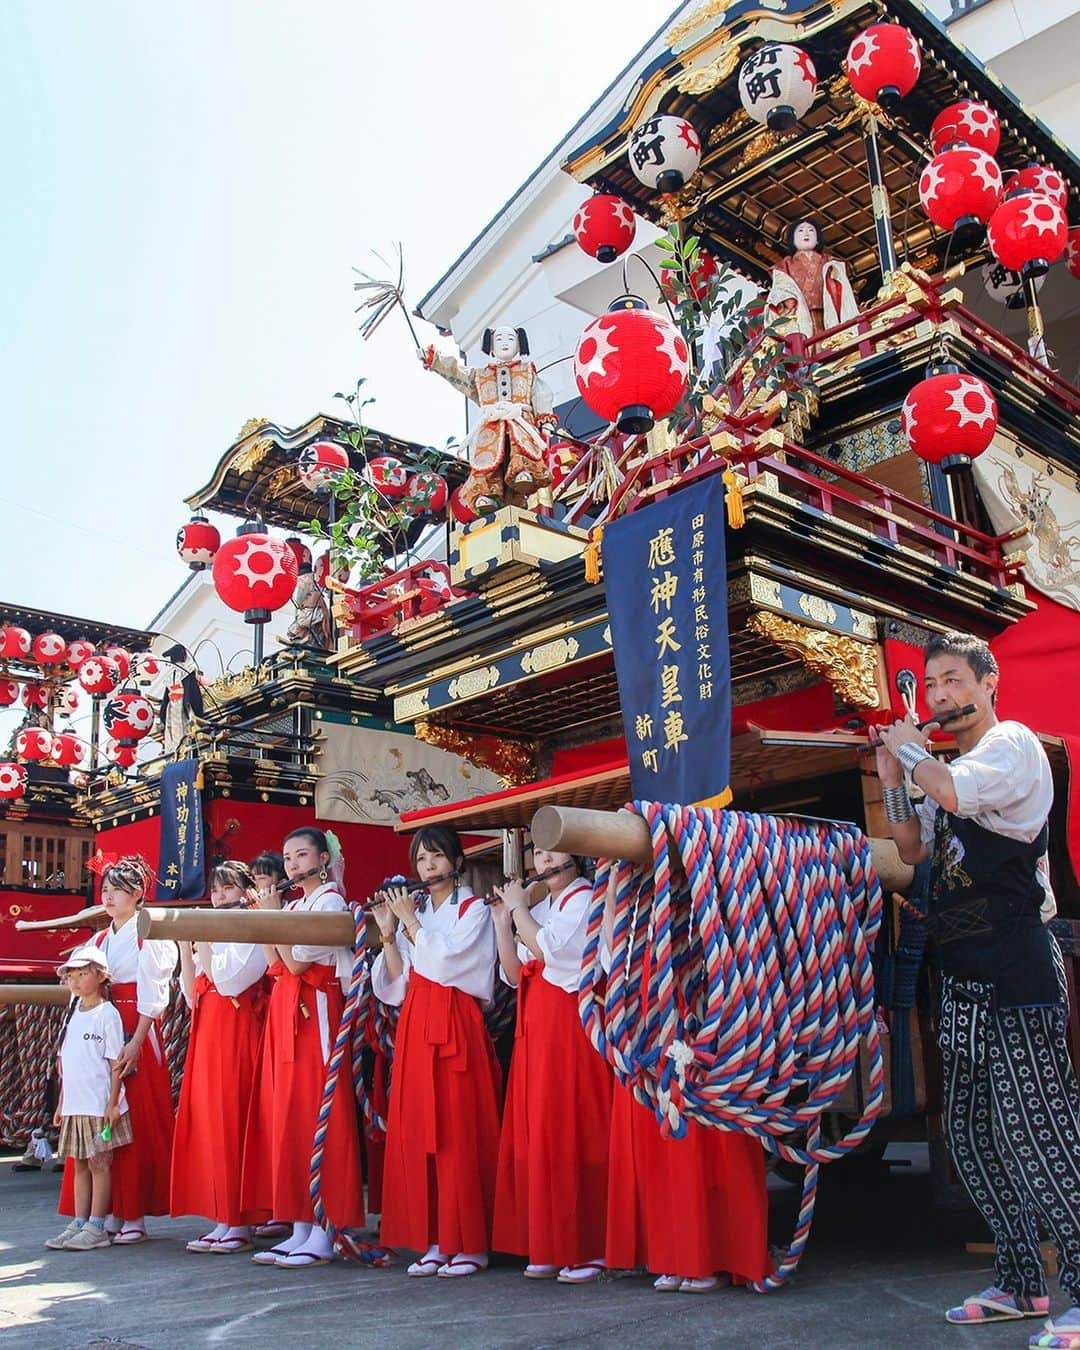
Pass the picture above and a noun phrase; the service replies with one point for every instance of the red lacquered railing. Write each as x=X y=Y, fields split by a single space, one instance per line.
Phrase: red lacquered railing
x=421 y=588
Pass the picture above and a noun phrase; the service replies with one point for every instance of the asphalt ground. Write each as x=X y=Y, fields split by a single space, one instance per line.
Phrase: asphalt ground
x=881 y=1267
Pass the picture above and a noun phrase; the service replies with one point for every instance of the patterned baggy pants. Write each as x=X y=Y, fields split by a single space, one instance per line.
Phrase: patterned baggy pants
x=1012 y=1121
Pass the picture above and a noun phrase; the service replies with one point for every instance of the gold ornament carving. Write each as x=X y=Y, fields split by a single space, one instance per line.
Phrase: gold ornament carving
x=849 y=666
x=814 y=607
x=250 y=456
x=549 y=655
x=765 y=591
x=757 y=147
x=234 y=686
x=711 y=9
x=281 y=481
x=707 y=77
x=409 y=705
x=473 y=682
x=513 y=761
x=678 y=205
x=729 y=126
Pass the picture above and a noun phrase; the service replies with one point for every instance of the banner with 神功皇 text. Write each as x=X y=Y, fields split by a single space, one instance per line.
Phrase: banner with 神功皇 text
x=181 y=863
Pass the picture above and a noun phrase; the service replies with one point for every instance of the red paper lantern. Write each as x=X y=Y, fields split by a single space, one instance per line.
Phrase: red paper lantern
x=883 y=63
x=701 y=278
x=122 y=657
x=15 y=643
x=434 y=590
x=299 y=550
x=321 y=465
x=34 y=743
x=254 y=573
x=35 y=695
x=966 y=122
x=197 y=542
x=1027 y=233
x=1040 y=178
x=127 y=716
x=12 y=781
x=387 y=474
x=950 y=417
x=604 y=226
x=462 y=514
x=631 y=366
x=78 y=651
x=1072 y=253
x=99 y=674
x=123 y=756
x=67 y=750
x=427 y=491
x=959 y=190
x=49 y=649
x=9 y=692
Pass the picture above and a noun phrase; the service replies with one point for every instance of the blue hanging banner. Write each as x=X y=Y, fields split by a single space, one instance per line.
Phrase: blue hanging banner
x=182 y=859
x=665 y=574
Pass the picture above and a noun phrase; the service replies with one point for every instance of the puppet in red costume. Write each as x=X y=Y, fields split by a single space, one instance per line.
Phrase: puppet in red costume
x=551 y=1199
x=140 y=971
x=225 y=988
x=442 y=1137
x=301 y=1023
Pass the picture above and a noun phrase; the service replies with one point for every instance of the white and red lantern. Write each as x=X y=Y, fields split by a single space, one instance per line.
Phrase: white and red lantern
x=321 y=465
x=1072 y=253
x=299 y=550
x=604 y=226
x=67 y=700
x=99 y=674
x=78 y=651
x=960 y=189
x=701 y=279
x=461 y=512
x=122 y=657
x=665 y=152
x=950 y=417
x=427 y=491
x=34 y=743
x=1027 y=233
x=631 y=366
x=777 y=85
x=12 y=781
x=883 y=63
x=123 y=756
x=127 y=716
x=35 y=694
x=9 y=693
x=68 y=750
x=144 y=668
x=1005 y=287
x=254 y=573
x=434 y=590
x=387 y=474
x=197 y=542
x=15 y=643
x=1040 y=178
x=49 y=649
x=966 y=122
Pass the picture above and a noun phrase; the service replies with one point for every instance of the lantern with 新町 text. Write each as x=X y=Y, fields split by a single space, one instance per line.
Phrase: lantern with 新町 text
x=631 y=365
x=883 y=63
x=966 y=122
x=959 y=190
x=950 y=417
x=1004 y=286
x=254 y=573
x=1027 y=233
x=197 y=542
x=604 y=226
x=777 y=85
x=664 y=152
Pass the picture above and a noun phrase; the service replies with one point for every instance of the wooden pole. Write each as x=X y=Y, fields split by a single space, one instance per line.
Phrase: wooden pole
x=283 y=926
x=51 y=995
x=94 y=918
x=619 y=834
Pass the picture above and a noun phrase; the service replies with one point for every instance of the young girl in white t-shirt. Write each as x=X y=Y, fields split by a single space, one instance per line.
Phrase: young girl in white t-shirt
x=92 y=1113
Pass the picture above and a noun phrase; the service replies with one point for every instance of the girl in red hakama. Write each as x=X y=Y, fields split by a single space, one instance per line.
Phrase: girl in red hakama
x=693 y=1210
x=140 y=971
x=301 y=1025
x=551 y=1197
x=224 y=987
x=442 y=1134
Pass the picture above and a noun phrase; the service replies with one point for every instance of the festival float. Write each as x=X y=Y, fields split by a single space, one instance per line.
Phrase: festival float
x=809 y=455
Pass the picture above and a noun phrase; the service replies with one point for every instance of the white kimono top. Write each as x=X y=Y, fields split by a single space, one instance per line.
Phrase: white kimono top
x=563 y=919
x=454 y=947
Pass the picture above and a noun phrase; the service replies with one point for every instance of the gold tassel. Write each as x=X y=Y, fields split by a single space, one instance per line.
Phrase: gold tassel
x=592 y=555
x=733 y=499
x=717 y=803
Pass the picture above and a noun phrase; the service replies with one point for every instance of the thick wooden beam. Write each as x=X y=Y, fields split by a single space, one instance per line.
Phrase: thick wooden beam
x=94 y=918
x=283 y=926
x=51 y=995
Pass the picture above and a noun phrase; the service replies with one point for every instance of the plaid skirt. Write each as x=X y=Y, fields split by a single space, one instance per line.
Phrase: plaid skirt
x=79 y=1137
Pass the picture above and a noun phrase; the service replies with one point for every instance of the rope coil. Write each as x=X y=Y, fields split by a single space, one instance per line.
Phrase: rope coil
x=741 y=984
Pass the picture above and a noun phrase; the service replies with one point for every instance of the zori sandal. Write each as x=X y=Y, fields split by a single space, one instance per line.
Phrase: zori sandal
x=585 y=1273
x=427 y=1265
x=1061 y=1333
x=995 y=1305
x=459 y=1267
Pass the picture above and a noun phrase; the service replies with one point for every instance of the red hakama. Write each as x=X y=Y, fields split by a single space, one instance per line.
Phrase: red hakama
x=692 y=1207
x=140 y=1170
x=442 y=1137
x=289 y=1077
x=218 y=1078
x=551 y=1199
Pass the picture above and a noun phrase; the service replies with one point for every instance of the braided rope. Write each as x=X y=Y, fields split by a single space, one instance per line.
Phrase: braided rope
x=28 y=1038
x=353 y=1033
x=756 y=934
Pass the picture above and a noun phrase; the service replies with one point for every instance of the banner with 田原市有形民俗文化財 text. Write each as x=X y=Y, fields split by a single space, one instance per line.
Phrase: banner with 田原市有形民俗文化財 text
x=665 y=574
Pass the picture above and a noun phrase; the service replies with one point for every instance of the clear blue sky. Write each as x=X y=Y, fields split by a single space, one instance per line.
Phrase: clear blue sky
x=189 y=186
